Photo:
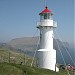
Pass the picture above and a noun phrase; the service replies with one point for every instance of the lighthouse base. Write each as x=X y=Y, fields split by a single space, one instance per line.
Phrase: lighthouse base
x=46 y=58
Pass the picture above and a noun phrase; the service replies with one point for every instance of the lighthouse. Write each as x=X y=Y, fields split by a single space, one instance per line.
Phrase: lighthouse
x=46 y=55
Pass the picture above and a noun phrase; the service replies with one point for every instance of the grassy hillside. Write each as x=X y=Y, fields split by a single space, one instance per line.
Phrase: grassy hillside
x=14 y=69
x=11 y=66
x=7 y=69
x=14 y=57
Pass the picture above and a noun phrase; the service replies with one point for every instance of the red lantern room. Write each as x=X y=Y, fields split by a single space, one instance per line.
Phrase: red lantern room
x=46 y=14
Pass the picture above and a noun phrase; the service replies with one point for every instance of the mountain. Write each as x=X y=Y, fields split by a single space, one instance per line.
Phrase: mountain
x=6 y=46
x=29 y=44
x=26 y=43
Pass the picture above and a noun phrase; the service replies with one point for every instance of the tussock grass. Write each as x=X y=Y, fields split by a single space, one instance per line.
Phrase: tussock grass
x=15 y=69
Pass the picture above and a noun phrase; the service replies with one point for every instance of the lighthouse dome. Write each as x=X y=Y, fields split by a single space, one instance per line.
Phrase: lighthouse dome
x=46 y=10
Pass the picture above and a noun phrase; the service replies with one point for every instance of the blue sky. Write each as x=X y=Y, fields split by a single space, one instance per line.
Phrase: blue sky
x=18 y=18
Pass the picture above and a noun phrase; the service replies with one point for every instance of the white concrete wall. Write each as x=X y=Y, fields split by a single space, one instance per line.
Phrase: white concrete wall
x=46 y=22
x=46 y=38
x=46 y=59
x=57 y=69
x=46 y=54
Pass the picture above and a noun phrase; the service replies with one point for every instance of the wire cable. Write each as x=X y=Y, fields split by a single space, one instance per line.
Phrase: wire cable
x=62 y=56
x=34 y=54
x=35 y=49
x=66 y=49
x=60 y=52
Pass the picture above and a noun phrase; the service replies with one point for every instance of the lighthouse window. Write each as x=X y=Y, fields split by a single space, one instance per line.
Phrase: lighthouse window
x=46 y=16
x=51 y=17
x=41 y=17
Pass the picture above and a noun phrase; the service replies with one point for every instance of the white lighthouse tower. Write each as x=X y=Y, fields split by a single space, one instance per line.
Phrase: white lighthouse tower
x=46 y=54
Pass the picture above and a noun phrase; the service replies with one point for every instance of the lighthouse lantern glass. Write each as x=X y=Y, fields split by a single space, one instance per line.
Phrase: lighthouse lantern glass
x=46 y=16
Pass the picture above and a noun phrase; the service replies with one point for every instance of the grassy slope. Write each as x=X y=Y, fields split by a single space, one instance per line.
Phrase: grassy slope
x=18 y=57
x=7 y=69
x=15 y=69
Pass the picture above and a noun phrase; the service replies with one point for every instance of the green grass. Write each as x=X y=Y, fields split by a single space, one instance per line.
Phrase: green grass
x=25 y=69
x=18 y=57
x=7 y=69
x=15 y=69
